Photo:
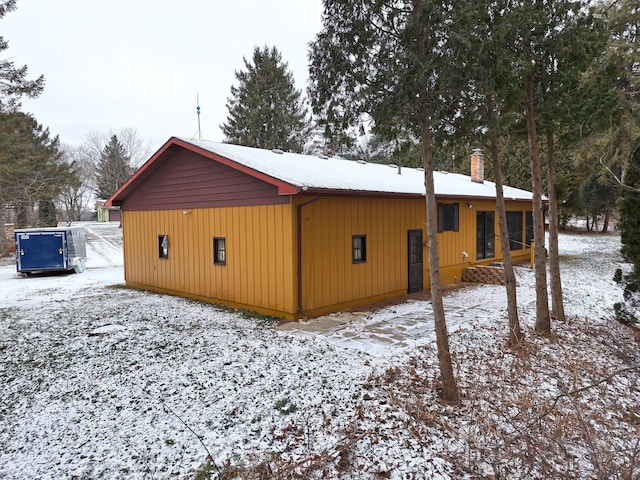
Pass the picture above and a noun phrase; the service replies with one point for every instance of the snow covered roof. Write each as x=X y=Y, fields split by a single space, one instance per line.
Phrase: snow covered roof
x=297 y=173
x=308 y=172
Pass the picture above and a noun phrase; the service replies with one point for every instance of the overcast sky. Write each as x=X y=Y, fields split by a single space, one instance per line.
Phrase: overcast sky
x=111 y=64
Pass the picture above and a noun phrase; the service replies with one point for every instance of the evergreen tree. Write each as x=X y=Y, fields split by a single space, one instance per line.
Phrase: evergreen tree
x=598 y=195
x=625 y=142
x=403 y=151
x=485 y=116
x=396 y=61
x=624 y=47
x=513 y=151
x=630 y=212
x=114 y=168
x=265 y=109
x=47 y=213
x=31 y=166
x=629 y=207
x=330 y=139
x=551 y=45
x=13 y=80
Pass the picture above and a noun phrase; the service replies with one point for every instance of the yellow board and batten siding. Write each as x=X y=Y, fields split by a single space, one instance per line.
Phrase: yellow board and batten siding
x=451 y=244
x=330 y=279
x=260 y=258
x=261 y=251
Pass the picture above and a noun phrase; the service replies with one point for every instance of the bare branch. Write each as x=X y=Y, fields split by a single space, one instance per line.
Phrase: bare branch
x=209 y=456
x=573 y=393
x=619 y=180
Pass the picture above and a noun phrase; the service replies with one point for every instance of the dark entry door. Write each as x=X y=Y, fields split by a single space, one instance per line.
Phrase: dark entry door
x=415 y=261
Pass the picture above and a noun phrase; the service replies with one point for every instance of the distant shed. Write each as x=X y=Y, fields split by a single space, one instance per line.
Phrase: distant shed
x=106 y=213
x=299 y=236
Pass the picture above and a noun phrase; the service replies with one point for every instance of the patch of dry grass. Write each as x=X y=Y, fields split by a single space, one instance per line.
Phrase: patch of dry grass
x=561 y=407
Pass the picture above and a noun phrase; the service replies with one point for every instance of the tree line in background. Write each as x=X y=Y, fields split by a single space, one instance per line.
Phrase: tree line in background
x=42 y=181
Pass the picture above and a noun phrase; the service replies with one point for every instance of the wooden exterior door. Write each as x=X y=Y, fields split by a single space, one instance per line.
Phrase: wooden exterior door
x=415 y=260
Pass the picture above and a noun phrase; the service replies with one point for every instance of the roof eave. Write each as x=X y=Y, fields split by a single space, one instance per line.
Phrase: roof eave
x=369 y=193
x=356 y=193
x=283 y=187
x=481 y=198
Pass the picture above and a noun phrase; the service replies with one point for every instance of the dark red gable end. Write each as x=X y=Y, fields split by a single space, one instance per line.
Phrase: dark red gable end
x=181 y=175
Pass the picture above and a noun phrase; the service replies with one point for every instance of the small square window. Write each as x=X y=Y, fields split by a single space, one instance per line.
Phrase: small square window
x=359 y=248
x=219 y=251
x=448 y=217
x=163 y=246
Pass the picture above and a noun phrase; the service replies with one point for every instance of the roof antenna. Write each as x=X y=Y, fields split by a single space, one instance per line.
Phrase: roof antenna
x=198 y=111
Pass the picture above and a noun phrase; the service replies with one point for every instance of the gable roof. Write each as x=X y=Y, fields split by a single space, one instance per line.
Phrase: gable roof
x=295 y=173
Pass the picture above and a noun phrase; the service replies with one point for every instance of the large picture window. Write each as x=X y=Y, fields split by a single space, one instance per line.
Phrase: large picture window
x=514 y=226
x=448 y=217
x=359 y=248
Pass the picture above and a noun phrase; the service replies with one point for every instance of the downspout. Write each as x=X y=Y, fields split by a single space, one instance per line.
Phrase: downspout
x=299 y=212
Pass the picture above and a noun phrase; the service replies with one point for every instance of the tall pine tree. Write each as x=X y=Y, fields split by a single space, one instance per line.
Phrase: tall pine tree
x=31 y=165
x=551 y=44
x=47 y=213
x=265 y=109
x=629 y=207
x=397 y=62
x=13 y=80
x=625 y=51
x=114 y=168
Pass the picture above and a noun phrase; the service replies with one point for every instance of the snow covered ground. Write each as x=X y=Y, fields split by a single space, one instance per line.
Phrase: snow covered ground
x=104 y=382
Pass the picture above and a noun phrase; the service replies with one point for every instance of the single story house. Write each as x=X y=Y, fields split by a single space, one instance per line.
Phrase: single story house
x=299 y=236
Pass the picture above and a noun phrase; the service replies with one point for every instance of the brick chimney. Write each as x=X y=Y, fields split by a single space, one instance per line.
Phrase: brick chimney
x=477 y=166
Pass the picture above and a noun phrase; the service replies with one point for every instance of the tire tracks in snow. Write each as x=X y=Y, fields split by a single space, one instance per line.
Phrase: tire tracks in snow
x=102 y=251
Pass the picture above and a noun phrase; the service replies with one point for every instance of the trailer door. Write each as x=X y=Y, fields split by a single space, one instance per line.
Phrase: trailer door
x=41 y=251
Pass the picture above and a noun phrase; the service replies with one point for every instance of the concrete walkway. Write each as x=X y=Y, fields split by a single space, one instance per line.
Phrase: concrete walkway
x=397 y=329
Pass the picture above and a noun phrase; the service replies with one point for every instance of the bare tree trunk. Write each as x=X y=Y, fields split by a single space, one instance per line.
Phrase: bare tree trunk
x=605 y=224
x=450 y=391
x=21 y=220
x=515 y=333
x=543 y=320
x=557 y=304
